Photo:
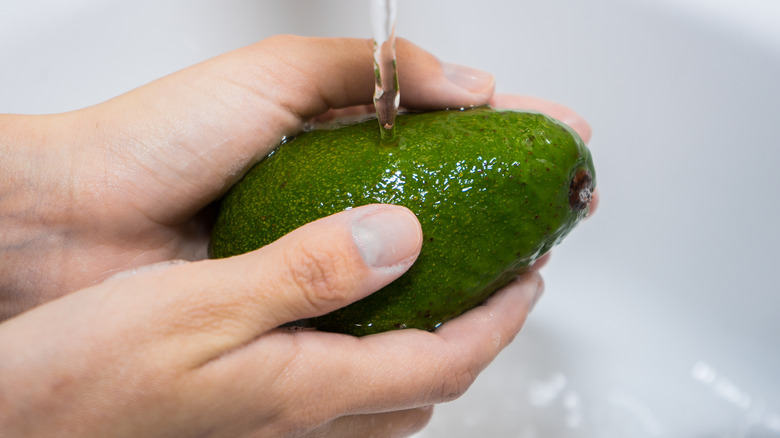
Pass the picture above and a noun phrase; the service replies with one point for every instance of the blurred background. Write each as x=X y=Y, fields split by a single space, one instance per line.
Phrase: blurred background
x=661 y=316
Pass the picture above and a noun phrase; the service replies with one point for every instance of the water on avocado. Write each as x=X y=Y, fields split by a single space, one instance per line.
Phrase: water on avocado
x=493 y=191
x=387 y=95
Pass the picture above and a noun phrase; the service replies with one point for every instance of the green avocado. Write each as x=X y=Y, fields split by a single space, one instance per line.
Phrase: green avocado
x=493 y=189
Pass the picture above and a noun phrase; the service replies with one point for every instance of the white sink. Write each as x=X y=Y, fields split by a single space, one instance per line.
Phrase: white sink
x=662 y=313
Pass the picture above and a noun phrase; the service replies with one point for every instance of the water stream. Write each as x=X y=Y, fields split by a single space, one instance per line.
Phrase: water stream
x=386 y=93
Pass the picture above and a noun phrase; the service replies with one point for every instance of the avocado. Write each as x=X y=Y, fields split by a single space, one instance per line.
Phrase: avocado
x=493 y=189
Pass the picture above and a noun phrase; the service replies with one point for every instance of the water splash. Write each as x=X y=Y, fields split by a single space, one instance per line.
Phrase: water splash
x=386 y=92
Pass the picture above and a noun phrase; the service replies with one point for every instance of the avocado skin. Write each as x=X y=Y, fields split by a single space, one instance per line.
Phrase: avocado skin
x=491 y=189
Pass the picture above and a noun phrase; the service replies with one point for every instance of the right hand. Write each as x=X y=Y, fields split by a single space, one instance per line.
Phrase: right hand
x=193 y=349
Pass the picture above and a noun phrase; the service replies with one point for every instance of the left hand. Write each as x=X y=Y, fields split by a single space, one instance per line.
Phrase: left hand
x=129 y=182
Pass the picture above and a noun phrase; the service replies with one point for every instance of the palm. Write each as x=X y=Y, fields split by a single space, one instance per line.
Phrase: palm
x=99 y=240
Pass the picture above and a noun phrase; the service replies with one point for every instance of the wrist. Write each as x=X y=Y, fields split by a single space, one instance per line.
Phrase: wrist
x=33 y=200
x=33 y=156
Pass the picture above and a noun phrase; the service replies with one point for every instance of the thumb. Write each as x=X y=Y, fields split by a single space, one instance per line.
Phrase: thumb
x=199 y=129
x=311 y=271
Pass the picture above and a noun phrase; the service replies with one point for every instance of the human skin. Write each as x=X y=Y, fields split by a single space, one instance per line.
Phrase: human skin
x=177 y=345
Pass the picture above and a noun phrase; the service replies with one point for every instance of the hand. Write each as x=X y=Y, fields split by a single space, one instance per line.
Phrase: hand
x=125 y=183
x=191 y=347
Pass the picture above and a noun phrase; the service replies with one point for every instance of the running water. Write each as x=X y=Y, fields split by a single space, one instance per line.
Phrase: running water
x=386 y=93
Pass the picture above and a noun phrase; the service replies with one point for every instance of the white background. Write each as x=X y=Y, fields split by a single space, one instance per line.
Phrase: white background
x=661 y=316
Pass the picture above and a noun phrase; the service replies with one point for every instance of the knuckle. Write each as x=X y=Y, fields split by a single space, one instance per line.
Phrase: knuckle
x=323 y=275
x=455 y=385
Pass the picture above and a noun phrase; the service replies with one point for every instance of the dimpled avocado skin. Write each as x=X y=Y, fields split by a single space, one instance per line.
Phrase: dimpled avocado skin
x=490 y=188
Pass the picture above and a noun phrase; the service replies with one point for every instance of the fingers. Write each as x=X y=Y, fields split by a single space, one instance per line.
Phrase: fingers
x=461 y=348
x=385 y=425
x=426 y=83
x=555 y=110
x=195 y=132
x=313 y=270
x=378 y=373
x=552 y=109
x=340 y=72
x=594 y=202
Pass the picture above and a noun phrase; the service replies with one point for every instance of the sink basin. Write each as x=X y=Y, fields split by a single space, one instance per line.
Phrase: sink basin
x=662 y=313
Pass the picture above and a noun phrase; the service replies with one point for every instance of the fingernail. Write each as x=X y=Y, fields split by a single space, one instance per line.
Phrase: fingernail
x=470 y=79
x=387 y=237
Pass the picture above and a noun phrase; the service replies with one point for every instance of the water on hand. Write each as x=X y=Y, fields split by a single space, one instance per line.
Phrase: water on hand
x=386 y=93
